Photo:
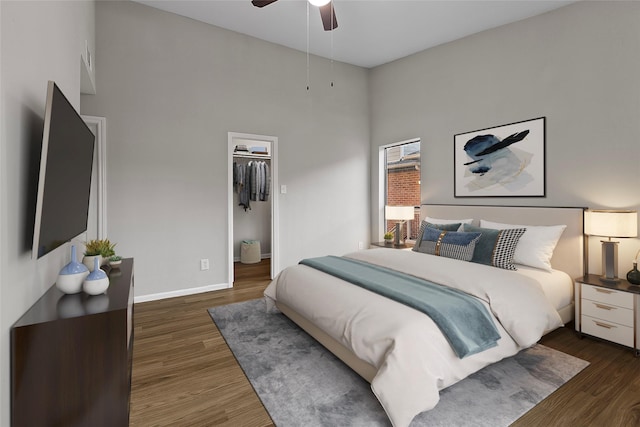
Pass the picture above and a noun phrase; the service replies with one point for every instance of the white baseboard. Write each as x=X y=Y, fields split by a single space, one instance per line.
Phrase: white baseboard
x=190 y=291
x=180 y=293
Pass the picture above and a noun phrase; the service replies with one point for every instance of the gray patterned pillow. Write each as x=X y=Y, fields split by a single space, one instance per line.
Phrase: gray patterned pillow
x=496 y=247
x=450 y=244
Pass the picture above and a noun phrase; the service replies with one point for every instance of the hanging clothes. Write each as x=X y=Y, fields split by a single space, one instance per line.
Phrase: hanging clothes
x=265 y=183
x=253 y=179
x=240 y=184
x=252 y=182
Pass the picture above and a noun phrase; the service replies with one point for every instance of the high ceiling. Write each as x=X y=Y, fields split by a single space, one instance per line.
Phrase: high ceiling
x=369 y=33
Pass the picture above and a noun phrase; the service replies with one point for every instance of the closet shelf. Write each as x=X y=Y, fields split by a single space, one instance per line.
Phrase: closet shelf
x=252 y=155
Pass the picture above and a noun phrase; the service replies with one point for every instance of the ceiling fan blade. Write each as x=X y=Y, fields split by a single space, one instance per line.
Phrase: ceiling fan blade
x=328 y=15
x=262 y=3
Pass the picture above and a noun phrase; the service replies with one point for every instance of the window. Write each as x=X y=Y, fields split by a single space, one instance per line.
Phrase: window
x=402 y=182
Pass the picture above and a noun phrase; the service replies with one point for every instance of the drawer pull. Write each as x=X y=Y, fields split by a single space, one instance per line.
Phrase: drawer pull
x=604 y=291
x=604 y=307
x=604 y=325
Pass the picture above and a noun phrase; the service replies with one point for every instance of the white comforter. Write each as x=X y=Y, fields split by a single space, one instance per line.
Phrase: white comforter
x=413 y=359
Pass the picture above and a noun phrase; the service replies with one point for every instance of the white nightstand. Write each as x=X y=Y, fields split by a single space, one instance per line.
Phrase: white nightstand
x=608 y=310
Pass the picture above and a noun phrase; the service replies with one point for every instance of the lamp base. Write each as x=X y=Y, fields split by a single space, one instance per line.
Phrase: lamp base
x=610 y=260
x=398 y=241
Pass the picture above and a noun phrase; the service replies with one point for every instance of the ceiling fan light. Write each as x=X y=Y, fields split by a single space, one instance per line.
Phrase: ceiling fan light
x=319 y=3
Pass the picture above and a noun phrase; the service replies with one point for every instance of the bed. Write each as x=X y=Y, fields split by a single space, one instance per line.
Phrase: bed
x=401 y=351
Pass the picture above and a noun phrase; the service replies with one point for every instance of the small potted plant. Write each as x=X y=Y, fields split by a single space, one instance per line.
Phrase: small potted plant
x=115 y=261
x=388 y=237
x=102 y=248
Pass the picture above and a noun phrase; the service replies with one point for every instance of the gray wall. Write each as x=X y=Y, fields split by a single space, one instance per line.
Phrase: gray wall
x=579 y=66
x=40 y=41
x=171 y=88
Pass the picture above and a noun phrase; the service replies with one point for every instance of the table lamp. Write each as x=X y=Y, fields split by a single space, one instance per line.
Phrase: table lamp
x=399 y=214
x=611 y=224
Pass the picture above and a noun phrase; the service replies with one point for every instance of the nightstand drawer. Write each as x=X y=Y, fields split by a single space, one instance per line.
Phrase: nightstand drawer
x=608 y=330
x=607 y=296
x=608 y=312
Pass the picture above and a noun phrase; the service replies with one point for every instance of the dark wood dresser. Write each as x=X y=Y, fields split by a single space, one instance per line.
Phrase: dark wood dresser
x=71 y=357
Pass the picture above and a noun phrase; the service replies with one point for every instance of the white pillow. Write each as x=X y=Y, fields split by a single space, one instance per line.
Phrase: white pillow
x=449 y=221
x=535 y=247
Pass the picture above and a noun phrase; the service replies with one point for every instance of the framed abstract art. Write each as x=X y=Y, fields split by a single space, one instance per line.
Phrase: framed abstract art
x=502 y=161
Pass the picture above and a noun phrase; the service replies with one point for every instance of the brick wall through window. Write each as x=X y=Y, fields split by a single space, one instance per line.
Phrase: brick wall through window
x=403 y=189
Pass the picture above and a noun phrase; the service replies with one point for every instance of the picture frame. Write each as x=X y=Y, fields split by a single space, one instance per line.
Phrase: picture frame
x=501 y=161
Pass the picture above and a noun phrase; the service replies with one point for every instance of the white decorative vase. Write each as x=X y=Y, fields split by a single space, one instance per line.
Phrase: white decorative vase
x=72 y=275
x=97 y=281
x=88 y=261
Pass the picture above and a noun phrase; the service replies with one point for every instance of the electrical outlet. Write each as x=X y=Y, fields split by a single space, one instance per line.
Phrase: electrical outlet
x=204 y=264
x=360 y=245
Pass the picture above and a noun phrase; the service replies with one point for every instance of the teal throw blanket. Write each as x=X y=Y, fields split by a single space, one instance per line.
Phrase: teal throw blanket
x=463 y=320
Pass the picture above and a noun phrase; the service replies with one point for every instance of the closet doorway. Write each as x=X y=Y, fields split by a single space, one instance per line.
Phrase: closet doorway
x=252 y=200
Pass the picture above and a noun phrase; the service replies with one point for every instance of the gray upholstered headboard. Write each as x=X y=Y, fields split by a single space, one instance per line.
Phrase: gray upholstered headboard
x=568 y=255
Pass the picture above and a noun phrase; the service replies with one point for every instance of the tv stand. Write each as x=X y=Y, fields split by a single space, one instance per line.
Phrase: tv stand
x=71 y=357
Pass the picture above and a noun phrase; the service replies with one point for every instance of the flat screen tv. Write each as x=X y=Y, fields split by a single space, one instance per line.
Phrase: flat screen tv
x=64 y=183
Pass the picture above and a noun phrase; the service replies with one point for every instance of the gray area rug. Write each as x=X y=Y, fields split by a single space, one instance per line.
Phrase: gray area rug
x=302 y=384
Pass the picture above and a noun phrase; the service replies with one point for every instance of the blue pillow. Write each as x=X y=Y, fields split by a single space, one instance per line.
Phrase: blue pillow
x=447 y=227
x=496 y=247
x=423 y=224
x=450 y=244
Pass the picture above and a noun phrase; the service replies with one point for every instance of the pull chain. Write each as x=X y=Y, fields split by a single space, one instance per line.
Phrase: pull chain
x=332 y=43
x=307 y=46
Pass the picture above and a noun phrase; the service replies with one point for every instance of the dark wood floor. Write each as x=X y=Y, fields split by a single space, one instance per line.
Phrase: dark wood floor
x=185 y=375
x=606 y=393
x=183 y=372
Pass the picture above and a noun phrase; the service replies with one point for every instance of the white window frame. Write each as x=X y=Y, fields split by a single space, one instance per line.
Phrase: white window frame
x=382 y=180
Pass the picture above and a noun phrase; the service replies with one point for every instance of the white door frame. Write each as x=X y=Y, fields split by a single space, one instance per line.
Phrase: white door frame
x=275 y=229
x=100 y=124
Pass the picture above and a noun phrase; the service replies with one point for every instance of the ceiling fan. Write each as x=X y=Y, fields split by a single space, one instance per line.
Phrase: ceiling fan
x=326 y=11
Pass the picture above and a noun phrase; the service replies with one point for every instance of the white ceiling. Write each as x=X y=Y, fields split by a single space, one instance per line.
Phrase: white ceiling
x=370 y=32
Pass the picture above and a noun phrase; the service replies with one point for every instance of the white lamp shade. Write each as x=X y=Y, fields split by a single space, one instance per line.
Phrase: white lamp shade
x=319 y=2
x=611 y=223
x=400 y=213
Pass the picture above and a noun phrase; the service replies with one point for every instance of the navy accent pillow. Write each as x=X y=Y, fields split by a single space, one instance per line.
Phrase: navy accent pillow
x=450 y=244
x=496 y=247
